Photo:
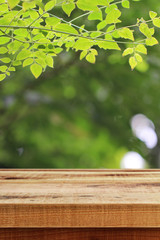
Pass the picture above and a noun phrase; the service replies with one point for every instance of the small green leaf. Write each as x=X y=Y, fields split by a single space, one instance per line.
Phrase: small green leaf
x=4 y=8
x=28 y=5
x=2 y=76
x=112 y=16
x=125 y=4
x=36 y=70
x=41 y=62
x=49 y=61
x=109 y=43
x=16 y=63
x=126 y=33
x=62 y=27
x=83 y=44
x=156 y=22
x=12 y=69
x=138 y=57
x=23 y=54
x=27 y=62
x=21 y=32
x=13 y=3
x=83 y=54
x=94 y=51
x=127 y=51
x=151 y=41
x=96 y=15
x=68 y=7
x=101 y=25
x=141 y=48
x=33 y=14
x=4 y=40
x=132 y=62
x=3 y=68
x=87 y=5
x=49 y=5
x=148 y=32
x=152 y=14
x=52 y=21
x=5 y=60
x=3 y=50
x=91 y=58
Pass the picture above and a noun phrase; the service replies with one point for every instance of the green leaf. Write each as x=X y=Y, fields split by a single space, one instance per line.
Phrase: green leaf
x=152 y=14
x=87 y=5
x=52 y=21
x=110 y=44
x=91 y=58
x=3 y=68
x=2 y=76
x=36 y=70
x=28 y=5
x=125 y=4
x=21 y=32
x=4 y=8
x=138 y=57
x=11 y=69
x=151 y=41
x=112 y=16
x=126 y=33
x=12 y=3
x=96 y=15
x=146 y=30
x=156 y=22
x=27 y=62
x=127 y=51
x=101 y=25
x=4 y=40
x=83 y=44
x=49 y=5
x=83 y=54
x=49 y=61
x=132 y=62
x=23 y=54
x=68 y=7
x=141 y=48
x=66 y=28
x=16 y=63
x=33 y=14
x=3 y=50
x=95 y=34
x=94 y=51
x=5 y=60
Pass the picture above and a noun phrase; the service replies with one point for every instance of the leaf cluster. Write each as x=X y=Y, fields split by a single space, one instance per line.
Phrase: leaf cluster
x=32 y=35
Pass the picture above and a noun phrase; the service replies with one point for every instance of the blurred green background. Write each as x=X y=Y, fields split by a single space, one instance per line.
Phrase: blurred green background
x=80 y=115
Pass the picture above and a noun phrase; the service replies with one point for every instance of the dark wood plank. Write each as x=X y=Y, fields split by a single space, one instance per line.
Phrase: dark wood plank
x=79 y=234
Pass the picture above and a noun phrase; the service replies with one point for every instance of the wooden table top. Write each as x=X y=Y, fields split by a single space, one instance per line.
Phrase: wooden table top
x=79 y=198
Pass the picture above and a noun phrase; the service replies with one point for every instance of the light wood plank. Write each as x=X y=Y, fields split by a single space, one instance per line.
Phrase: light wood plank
x=79 y=198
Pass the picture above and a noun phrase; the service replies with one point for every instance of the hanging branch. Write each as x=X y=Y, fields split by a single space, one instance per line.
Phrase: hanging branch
x=31 y=35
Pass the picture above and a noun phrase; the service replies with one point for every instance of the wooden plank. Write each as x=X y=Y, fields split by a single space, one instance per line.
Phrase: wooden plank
x=80 y=234
x=79 y=198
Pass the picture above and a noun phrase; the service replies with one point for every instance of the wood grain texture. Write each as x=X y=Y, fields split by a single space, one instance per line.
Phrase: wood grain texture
x=80 y=234
x=79 y=198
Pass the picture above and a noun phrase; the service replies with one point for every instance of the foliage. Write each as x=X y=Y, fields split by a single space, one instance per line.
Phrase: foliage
x=32 y=35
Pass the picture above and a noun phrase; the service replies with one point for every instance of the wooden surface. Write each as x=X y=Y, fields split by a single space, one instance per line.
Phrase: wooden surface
x=79 y=234
x=79 y=198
